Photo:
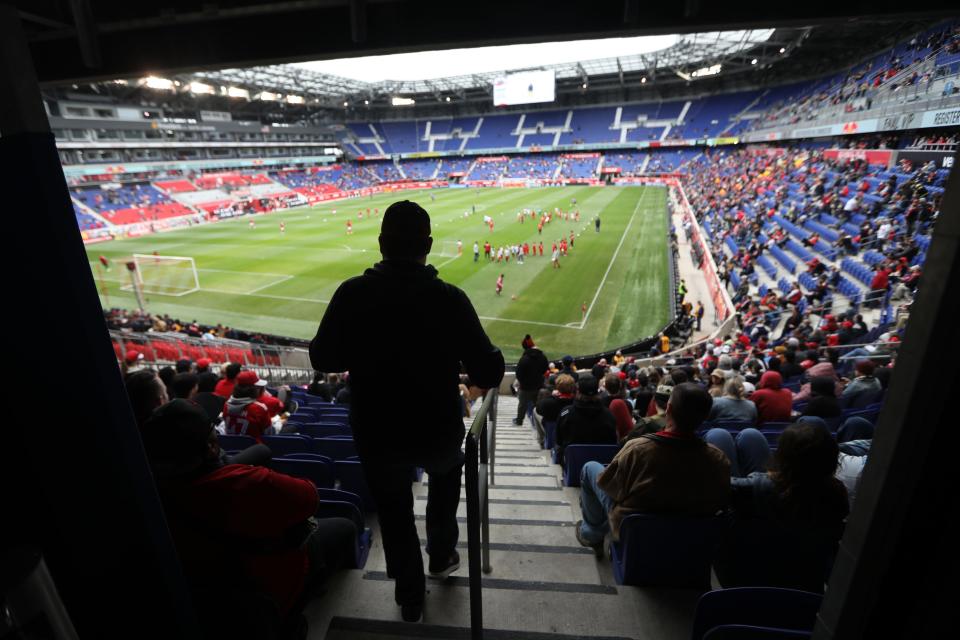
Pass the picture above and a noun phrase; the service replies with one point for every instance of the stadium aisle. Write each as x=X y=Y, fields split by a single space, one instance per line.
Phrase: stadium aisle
x=696 y=284
x=543 y=581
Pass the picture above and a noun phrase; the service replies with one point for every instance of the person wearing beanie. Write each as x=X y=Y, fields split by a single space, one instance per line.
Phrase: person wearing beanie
x=399 y=310
x=587 y=420
x=531 y=369
x=267 y=547
x=823 y=401
x=569 y=368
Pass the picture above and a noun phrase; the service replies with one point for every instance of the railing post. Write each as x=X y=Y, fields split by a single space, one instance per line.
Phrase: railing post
x=473 y=538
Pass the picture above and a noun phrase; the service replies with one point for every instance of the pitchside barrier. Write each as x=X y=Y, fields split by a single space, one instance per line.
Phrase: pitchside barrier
x=275 y=363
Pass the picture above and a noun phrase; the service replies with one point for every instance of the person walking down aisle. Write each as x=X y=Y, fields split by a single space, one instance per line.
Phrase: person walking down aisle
x=431 y=321
x=531 y=368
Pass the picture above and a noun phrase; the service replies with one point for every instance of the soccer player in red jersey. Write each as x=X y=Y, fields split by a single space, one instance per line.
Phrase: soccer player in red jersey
x=541 y=249
x=500 y=284
x=349 y=228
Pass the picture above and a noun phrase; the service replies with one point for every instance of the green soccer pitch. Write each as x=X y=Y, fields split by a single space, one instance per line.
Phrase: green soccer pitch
x=257 y=279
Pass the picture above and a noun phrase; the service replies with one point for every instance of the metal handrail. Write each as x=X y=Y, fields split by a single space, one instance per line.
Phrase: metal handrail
x=479 y=457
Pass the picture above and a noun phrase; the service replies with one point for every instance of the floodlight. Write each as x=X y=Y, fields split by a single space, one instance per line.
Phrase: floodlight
x=200 y=87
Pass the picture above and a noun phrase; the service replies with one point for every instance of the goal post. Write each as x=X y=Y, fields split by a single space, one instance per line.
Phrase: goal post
x=165 y=275
x=447 y=248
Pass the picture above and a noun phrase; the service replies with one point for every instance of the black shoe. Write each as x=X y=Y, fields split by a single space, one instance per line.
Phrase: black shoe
x=442 y=570
x=518 y=423
x=412 y=612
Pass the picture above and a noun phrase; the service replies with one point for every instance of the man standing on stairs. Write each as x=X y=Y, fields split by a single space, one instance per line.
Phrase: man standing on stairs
x=400 y=311
x=530 y=371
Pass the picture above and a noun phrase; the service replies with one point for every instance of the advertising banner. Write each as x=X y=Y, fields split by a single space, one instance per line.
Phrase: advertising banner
x=941 y=118
x=943 y=159
x=872 y=156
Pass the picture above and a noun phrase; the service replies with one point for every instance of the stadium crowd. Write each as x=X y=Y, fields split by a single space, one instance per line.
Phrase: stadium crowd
x=821 y=217
x=144 y=322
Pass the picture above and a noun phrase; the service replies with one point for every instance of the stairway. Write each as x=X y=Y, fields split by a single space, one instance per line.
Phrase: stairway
x=544 y=585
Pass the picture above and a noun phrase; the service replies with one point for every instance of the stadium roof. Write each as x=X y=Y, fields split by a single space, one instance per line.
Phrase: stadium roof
x=87 y=40
x=317 y=81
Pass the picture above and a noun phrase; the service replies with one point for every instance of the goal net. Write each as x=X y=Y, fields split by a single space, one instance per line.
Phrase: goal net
x=446 y=248
x=166 y=275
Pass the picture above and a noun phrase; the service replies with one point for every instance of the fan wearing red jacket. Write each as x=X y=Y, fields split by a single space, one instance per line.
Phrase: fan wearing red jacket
x=239 y=529
x=245 y=413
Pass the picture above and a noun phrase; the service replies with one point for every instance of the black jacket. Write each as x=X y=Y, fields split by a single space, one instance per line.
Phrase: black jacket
x=400 y=311
x=530 y=369
x=585 y=422
x=550 y=407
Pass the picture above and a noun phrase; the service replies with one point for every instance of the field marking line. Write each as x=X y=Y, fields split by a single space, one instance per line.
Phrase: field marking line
x=448 y=261
x=613 y=259
x=543 y=324
x=270 y=284
x=246 y=273
x=265 y=295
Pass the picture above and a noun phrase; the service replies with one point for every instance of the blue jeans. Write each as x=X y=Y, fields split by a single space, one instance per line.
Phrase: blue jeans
x=595 y=504
x=750 y=452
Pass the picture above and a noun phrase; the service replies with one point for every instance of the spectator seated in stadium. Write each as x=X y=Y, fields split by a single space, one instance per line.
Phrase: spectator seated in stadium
x=799 y=502
x=184 y=385
x=615 y=400
x=569 y=368
x=732 y=406
x=248 y=412
x=240 y=530
x=823 y=402
x=146 y=392
x=319 y=388
x=657 y=421
x=854 y=439
x=863 y=385
x=224 y=387
x=773 y=402
x=669 y=472
x=717 y=382
x=562 y=396
x=206 y=399
x=586 y=421
x=748 y=452
x=816 y=370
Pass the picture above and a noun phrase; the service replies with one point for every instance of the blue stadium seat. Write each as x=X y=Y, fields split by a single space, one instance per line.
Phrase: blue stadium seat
x=335 y=448
x=286 y=444
x=756 y=606
x=324 y=429
x=317 y=471
x=235 y=442
x=335 y=503
x=870 y=415
x=577 y=455
x=684 y=549
x=350 y=475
